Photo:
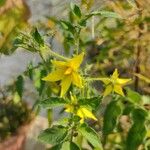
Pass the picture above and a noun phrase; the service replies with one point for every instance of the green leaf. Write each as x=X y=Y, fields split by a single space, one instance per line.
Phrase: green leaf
x=90 y=134
x=137 y=132
x=37 y=37
x=133 y=96
x=66 y=25
x=93 y=102
x=66 y=146
x=52 y=102
x=104 y=13
x=2 y=2
x=111 y=115
x=76 y=10
x=56 y=147
x=19 y=85
x=16 y=98
x=55 y=135
x=38 y=83
x=70 y=146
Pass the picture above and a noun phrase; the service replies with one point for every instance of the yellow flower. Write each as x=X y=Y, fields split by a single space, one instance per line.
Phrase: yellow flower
x=81 y=111
x=114 y=83
x=67 y=73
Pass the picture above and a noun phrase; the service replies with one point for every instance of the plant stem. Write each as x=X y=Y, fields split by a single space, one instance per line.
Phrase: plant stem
x=138 y=49
x=93 y=29
x=56 y=54
x=77 y=45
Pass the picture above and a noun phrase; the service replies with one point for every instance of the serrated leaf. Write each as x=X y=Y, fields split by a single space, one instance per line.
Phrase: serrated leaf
x=133 y=96
x=93 y=102
x=37 y=37
x=137 y=132
x=104 y=13
x=19 y=85
x=52 y=102
x=54 y=135
x=111 y=115
x=76 y=10
x=91 y=135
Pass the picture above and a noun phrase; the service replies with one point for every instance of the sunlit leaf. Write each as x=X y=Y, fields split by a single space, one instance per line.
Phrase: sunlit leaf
x=133 y=96
x=91 y=135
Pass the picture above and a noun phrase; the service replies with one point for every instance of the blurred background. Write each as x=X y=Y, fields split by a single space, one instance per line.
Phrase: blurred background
x=122 y=44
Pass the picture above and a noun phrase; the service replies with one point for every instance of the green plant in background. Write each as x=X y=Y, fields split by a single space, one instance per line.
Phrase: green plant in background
x=117 y=118
x=125 y=42
x=14 y=113
x=13 y=16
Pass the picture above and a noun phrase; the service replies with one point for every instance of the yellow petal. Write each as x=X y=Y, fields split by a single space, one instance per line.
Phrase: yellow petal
x=59 y=64
x=118 y=89
x=76 y=61
x=122 y=81
x=65 y=84
x=80 y=113
x=76 y=79
x=69 y=108
x=54 y=76
x=87 y=114
x=105 y=80
x=115 y=74
x=108 y=90
x=73 y=99
x=68 y=71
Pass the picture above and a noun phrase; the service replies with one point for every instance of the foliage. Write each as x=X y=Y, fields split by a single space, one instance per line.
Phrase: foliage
x=13 y=111
x=11 y=20
x=114 y=118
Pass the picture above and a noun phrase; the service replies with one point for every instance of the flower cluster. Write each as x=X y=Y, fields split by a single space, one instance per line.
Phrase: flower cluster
x=68 y=73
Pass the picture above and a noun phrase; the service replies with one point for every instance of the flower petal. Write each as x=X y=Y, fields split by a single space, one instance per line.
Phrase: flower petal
x=76 y=79
x=54 y=76
x=108 y=90
x=115 y=74
x=80 y=113
x=87 y=114
x=76 y=61
x=65 y=84
x=118 y=89
x=69 y=108
x=105 y=80
x=59 y=64
x=122 y=81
